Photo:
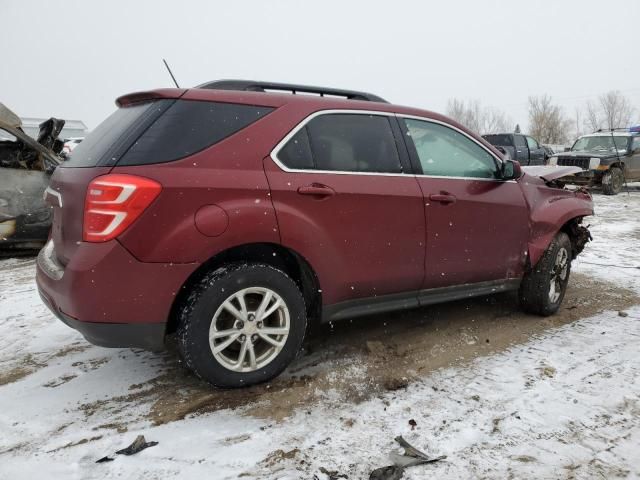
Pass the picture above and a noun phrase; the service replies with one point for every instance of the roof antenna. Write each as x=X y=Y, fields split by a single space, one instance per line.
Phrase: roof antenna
x=170 y=73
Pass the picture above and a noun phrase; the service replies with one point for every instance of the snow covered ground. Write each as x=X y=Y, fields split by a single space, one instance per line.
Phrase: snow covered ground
x=502 y=394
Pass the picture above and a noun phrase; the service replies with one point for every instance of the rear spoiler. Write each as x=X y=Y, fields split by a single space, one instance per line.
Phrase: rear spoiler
x=137 y=97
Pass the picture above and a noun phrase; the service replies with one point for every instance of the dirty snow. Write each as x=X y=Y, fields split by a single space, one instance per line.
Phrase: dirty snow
x=562 y=403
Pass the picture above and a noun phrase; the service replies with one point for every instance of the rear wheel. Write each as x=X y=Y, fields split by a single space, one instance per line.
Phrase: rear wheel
x=612 y=181
x=242 y=325
x=544 y=287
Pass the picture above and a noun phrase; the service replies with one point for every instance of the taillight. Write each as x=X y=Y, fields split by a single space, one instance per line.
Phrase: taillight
x=113 y=203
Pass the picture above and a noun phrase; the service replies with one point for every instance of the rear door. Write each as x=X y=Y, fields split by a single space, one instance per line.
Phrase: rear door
x=346 y=201
x=536 y=152
x=477 y=225
x=522 y=149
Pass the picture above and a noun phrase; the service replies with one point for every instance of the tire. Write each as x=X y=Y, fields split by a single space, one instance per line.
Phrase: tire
x=543 y=287
x=209 y=310
x=612 y=181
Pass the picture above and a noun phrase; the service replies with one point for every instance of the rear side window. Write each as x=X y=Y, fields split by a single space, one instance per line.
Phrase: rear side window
x=499 y=140
x=104 y=144
x=189 y=126
x=297 y=152
x=344 y=143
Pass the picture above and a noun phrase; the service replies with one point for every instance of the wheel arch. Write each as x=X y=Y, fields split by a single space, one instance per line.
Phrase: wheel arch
x=566 y=221
x=289 y=261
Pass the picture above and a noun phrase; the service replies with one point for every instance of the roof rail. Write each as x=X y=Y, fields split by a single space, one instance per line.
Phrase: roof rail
x=619 y=129
x=256 y=86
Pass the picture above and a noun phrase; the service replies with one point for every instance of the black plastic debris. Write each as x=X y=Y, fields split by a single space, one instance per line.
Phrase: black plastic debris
x=139 y=444
x=410 y=458
x=392 y=472
x=332 y=474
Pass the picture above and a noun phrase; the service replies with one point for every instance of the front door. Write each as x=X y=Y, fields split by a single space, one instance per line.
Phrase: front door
x=633 y=162
x=347 y=202
x=477 y=224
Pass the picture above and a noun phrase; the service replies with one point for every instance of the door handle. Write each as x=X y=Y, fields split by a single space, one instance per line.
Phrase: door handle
x=317 y=189
x=442 y=198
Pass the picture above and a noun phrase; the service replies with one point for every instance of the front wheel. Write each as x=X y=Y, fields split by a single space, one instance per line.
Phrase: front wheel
x=242 y=325
x=612 y=181
x=544 y=287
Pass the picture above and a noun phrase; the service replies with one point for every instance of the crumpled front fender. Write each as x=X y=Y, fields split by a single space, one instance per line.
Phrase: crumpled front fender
x=551 y=209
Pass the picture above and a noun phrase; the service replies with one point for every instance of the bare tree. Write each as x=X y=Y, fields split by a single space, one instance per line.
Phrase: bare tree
x=579 y=125
x=611 y=110
x=474 y=116
x=593 y=120
x=547 y=122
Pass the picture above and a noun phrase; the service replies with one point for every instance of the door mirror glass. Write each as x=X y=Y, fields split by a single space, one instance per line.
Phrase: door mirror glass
x=511 y=170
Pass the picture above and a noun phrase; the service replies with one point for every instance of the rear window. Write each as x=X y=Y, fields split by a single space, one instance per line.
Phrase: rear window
x=500 y=140
x=161 y=131
x=187 y=127
x=105 y=144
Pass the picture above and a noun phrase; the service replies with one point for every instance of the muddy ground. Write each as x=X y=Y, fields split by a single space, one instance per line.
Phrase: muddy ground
x=356 y=359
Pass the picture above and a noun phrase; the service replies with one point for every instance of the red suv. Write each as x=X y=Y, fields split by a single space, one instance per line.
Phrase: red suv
x=235 y=214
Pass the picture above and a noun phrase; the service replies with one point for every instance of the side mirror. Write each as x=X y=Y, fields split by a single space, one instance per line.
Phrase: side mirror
x=511 y=170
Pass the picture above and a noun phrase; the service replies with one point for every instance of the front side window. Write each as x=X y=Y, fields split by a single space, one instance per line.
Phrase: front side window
x=519 y=141
x=533 y=145
x=344 y=143
x=444 y=152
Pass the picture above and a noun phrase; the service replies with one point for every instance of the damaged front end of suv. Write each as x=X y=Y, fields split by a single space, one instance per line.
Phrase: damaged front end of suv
x=552 y=204
x=26 y=164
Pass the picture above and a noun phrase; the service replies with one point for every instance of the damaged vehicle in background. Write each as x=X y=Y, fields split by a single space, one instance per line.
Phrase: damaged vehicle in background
x=607 y=158
x=26 y=165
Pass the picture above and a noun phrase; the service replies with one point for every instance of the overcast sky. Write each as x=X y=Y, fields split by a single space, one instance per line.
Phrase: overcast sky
x=71 y=59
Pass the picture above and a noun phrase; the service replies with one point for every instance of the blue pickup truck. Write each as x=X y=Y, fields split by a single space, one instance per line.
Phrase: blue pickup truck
x=523 y=148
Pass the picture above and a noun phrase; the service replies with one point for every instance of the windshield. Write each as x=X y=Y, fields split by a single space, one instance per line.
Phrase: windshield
x=599 y=143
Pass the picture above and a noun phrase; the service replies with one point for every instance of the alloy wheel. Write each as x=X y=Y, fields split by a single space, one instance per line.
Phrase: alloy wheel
x=249 y=329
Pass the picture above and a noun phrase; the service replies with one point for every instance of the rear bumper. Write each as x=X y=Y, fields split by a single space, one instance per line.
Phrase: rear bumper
x=149 y=336
x=109 y=296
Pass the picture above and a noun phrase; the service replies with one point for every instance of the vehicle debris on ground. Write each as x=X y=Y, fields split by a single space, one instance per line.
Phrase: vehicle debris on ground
x=139 y=444
x=410 y=458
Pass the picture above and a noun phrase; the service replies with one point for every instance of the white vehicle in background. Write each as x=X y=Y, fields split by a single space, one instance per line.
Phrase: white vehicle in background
x=70 y=144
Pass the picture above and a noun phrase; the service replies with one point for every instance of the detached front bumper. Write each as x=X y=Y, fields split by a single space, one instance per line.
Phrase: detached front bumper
x=109 y=296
